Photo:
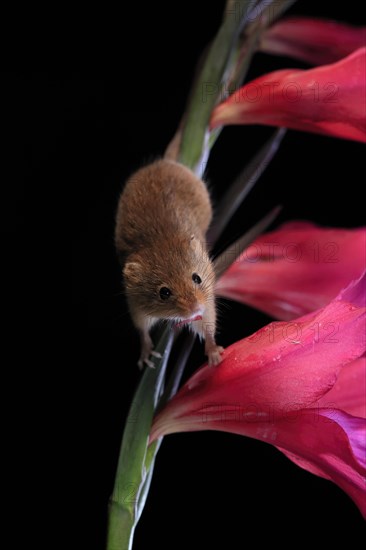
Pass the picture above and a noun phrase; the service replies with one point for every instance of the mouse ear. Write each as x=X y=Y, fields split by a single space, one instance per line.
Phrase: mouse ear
x=132 y=270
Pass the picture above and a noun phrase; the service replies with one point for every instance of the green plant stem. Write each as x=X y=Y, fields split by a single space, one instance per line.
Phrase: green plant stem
x=136 y=460
x=208 y=85
x=121 y=527
x=131 y=477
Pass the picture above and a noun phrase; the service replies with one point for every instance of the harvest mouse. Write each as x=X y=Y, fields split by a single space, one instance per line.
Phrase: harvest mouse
x=163 y=214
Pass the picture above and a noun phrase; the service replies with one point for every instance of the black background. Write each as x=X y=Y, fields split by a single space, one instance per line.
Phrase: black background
x=114 y=105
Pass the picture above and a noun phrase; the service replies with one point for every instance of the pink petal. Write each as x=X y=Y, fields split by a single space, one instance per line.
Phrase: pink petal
x=270 y=386
x=316 y=41
x=349 y=392
x=330 y=444
x=328 y=100
x=295 y=269
x=354 y=292
x=283 y=367
x=354 y=427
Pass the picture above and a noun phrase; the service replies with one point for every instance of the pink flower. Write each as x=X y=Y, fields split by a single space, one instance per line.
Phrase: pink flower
x=349 y=390
x=295 y=269
x=326 y=100
x=316 y=41
x=286 y=385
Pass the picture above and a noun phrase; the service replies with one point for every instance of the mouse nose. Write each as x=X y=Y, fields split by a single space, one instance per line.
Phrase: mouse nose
x=197 y=309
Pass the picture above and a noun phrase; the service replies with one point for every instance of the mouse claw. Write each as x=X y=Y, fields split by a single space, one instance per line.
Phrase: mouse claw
x=149 y=363
x=156 y=354
x=145 y=361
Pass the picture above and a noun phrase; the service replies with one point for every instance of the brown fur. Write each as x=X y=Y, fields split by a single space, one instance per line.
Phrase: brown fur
x=163 y=215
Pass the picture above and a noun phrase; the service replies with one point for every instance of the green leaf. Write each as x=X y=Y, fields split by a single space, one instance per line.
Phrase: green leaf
x=178 y=370
x=244 y=183
x=232 y=253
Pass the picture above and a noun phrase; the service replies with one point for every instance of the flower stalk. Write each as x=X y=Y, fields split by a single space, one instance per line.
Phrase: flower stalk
x=132 y=479
x=135 y=465
x=224 y=67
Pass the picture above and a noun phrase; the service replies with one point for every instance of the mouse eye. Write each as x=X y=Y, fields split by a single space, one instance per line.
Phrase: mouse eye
x=165 y=293
x=196 y=279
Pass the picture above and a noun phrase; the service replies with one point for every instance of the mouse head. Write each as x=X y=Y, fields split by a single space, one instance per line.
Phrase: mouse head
x=172 y=280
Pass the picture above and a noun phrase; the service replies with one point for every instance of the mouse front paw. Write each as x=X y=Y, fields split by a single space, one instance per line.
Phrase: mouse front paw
x=146 y=352
x=144 y=360
x=214 y=355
